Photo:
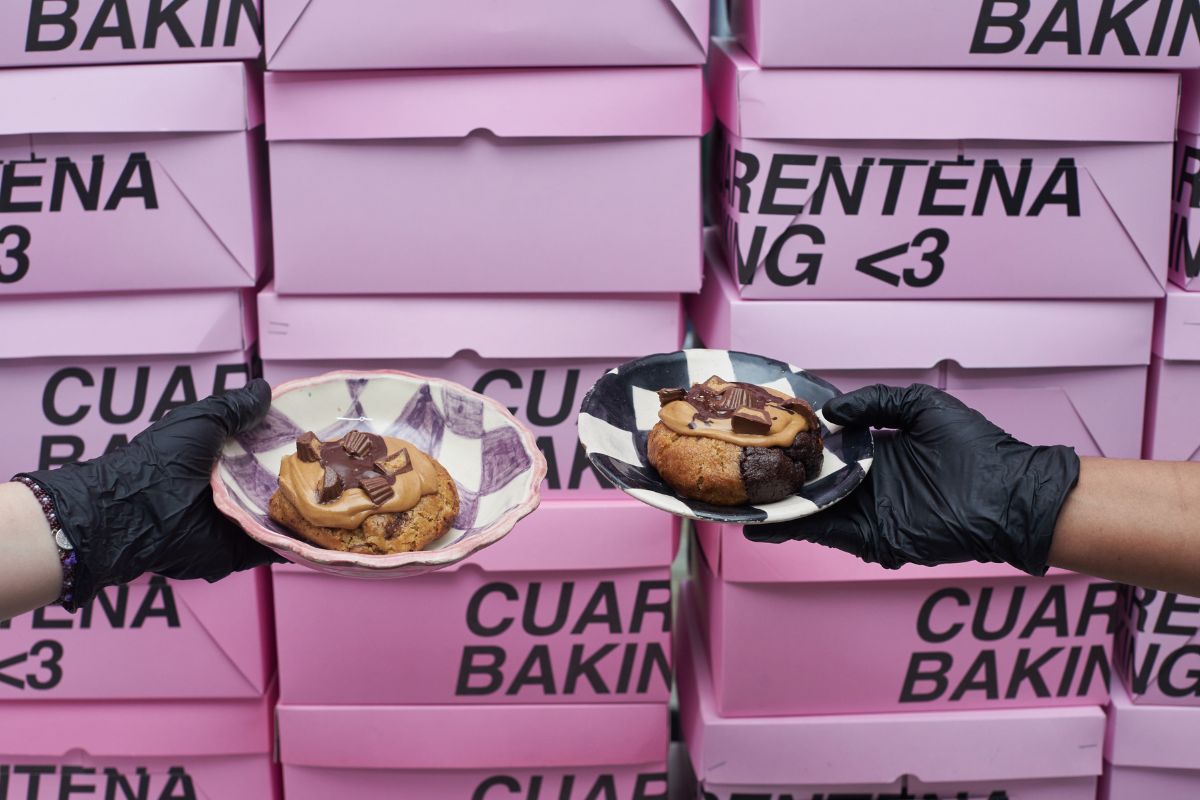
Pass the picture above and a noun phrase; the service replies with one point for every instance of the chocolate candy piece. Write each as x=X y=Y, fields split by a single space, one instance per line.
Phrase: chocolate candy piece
x=795 y=405
x=331 y=486
x=666 y=396
x=396 y=463
x=748 y=421
x=734 y=397
x=356 y=444
x=308 y=447
x=379 y=489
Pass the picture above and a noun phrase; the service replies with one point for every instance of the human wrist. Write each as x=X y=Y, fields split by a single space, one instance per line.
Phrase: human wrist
x=1047 y=480
x=51 y=530
x=30 y=570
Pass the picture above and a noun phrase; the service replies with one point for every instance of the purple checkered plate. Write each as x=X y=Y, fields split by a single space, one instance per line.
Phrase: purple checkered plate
x=493 y=459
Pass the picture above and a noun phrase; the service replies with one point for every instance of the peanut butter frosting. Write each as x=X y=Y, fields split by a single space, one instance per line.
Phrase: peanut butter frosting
x=339 y=484
x=742 y=414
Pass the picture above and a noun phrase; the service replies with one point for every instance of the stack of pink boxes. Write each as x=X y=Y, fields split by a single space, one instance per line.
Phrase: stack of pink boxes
x=131 y=240
x=1002 y=234
x=1154 y=720
x=507 y=196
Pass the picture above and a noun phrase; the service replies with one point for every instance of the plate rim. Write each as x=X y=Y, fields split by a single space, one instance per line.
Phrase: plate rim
x=758 y=510
x=397 y=563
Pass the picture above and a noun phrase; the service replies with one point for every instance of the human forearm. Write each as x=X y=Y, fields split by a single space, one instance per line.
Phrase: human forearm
x=30 y=573
x=1135 y=522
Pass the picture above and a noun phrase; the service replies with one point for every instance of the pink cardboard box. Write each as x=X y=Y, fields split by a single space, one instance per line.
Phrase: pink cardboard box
x=110 y=365
x=1158 y=648
x=1019 y=754
x=389 y=34
x=1010 y=359
x=565 y=752
x=144 y=750
x=538 y=355
x=130 y=178
x=1185 y=237
x=153 y=638
x=573 y=607
x=953 y=185
x=969 y=33
x=1150 y=751
x=1172 y=426
x=862 y=639
x=39 y=33
x=490 y=181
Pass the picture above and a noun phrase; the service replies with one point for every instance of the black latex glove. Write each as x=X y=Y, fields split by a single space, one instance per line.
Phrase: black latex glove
x=148 y=507
x=946 y=486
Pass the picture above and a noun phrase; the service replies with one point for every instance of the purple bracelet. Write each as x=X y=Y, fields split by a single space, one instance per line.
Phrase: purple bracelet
x=66 y=550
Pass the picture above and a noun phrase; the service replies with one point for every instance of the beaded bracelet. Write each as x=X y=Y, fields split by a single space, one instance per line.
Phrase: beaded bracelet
x=66 y=550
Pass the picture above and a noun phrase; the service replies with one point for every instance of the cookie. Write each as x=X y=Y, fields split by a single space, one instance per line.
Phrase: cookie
x=364 y=493
x=735 y=444
x=379 y=534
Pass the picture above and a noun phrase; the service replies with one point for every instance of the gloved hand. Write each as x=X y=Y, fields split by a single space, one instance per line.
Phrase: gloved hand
x=148 y=506
x=946 y=486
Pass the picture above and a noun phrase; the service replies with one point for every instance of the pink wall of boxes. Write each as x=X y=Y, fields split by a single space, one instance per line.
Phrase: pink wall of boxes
x=517 y=190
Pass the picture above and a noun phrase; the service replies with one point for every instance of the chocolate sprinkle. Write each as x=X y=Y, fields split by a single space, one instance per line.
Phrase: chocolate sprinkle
x=356 y=444
x=378 y=488
x=331 y=486
x=308 y=447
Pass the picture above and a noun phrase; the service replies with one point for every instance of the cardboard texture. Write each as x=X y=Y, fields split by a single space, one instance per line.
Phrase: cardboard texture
x=974 y=636
x=130 y=178
x=388 y=34
x=1185 y=237
x=538 y=355
x=109 y=366
x=1002 y=185
x=1150 y=751
x=976 y=33
x=1048 y=372
x=1035 y=754
x=151 y=639
x=486 y=181
x=201 y=750
x=436 y=752
x=1158 y=648
x=1172 y=427
x=574 y=606
x=39 y=33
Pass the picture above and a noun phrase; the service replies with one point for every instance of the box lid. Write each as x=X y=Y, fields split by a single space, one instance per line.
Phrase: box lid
x=1162 y=737
x=824 y=750
x=311 y=328
x=736 y=559
x=939 y=104
x=528 y=33
x=141 y=98
x=51 y=728
x=571 y=536
x=1177 y=327
x=146 y=324
x=651 y=101
x=455 y=737
x=920 y=334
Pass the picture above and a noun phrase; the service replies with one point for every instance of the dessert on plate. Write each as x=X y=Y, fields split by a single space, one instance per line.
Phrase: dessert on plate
x=364 y=493
x=730 y=443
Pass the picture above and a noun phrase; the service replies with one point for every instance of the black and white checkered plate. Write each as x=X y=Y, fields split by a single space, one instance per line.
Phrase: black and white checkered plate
x=619 y=411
